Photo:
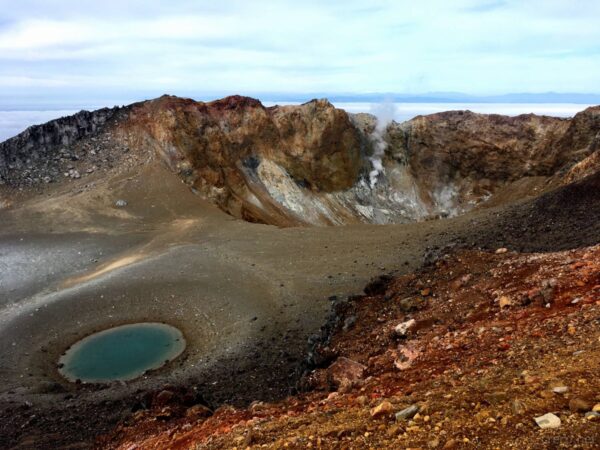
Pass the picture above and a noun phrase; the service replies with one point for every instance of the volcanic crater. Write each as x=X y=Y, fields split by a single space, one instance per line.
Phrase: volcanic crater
x=245 y=226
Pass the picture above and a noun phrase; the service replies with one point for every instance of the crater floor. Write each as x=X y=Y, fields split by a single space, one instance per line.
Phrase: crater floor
x=246 y=296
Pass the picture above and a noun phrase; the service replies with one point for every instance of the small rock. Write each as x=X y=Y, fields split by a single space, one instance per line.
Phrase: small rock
x=501 y=250
x=163 y=397
x=345 y=372
x=362 y=400
x=383 y=409
x=527 y=378
x=592 y=415
x=560 y=389
x=406 y=356
x=434 y=443
x=410 y=304
x=165 y=414
x=504 y=301
x=401 y=330
x=450 y=444
x=331 y=396
x=596 y=407
x=533 y=295
x=548 y=420
x=198 y=411
x=579 y=405
x=408 y=413
x=349 y=322
x=121 y=203
x=503 y=346
x=394 y=430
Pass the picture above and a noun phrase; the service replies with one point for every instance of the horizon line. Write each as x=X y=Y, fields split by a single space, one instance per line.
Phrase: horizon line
x=23 y=103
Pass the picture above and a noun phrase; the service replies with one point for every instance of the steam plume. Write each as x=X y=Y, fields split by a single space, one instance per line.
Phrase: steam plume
x=384 y=112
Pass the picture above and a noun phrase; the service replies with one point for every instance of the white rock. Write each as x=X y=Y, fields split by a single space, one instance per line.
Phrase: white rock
x=402 y=329
x=548 y=420
x=560 y=389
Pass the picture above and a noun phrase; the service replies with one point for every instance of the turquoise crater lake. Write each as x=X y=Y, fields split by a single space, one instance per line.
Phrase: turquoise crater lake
x=121 y=353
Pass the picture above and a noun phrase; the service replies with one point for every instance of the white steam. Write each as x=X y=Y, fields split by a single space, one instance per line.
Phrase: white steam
x=384 y=112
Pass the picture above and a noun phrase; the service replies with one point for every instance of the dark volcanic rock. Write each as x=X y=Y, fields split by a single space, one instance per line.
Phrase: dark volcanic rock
x=43 y=152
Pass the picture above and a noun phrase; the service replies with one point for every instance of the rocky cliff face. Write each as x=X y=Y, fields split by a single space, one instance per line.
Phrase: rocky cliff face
x=222 y=148
x=578 y=149
x=460 y=158
x=313 y=163
x=43 y=153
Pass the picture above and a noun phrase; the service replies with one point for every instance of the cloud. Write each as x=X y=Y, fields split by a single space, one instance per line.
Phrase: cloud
x=476 y=46
x=485 y=6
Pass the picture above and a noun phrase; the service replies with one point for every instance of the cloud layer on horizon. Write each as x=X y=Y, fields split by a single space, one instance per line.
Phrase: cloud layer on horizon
x=183 y=46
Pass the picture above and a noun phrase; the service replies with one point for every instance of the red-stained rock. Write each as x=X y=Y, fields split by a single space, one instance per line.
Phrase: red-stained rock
x=345 y=372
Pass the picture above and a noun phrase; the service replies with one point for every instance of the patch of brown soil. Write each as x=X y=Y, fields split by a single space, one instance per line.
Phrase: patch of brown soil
x=498 y=339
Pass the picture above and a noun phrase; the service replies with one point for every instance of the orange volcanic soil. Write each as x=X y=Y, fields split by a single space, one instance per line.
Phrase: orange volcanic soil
x=491 y=341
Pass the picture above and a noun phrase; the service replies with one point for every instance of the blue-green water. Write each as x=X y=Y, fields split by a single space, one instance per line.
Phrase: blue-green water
x=122 y=353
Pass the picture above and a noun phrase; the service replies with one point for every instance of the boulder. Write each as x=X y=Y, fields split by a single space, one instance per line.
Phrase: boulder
x=345 y=372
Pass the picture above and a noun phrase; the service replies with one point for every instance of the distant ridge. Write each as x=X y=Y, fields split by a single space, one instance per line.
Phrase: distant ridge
x=77 y=100
x=441 y=97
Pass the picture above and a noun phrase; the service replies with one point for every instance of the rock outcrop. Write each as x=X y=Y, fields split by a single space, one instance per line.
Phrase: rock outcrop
x=42 y=153
x=460 y=157
x=578 y=149
x=581 y=140
x=313 y=163
x=223 y=148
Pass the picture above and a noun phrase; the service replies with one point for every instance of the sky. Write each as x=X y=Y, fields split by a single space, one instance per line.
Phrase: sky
x=65 y=50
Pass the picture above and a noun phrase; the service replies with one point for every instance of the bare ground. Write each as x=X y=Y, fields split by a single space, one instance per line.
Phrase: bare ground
x=498 y=340
x=248 y=297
